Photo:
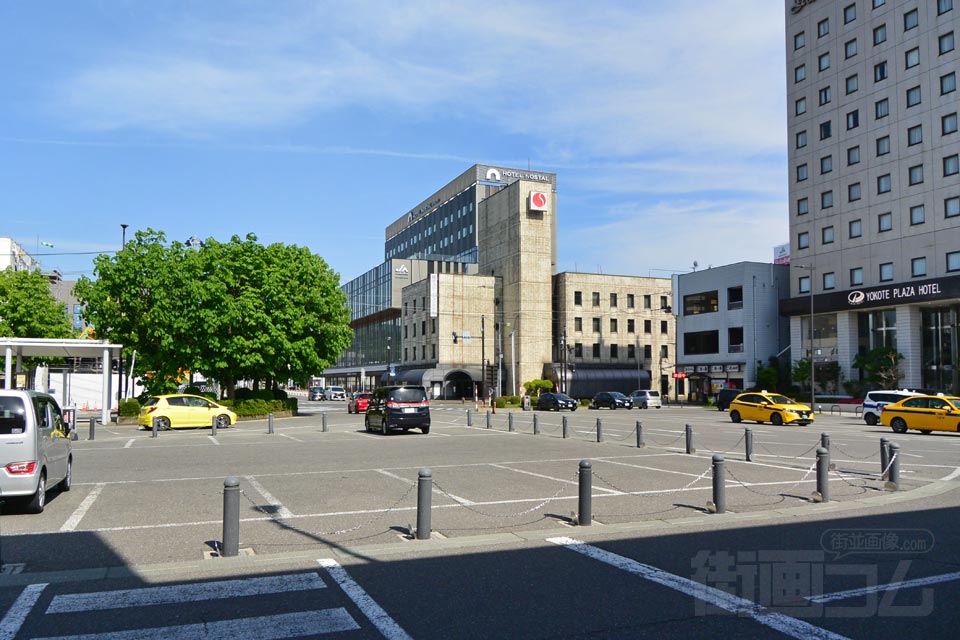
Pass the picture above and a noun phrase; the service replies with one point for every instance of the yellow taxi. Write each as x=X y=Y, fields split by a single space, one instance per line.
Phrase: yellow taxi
x=762 y=406
x=923 y=413
x=180 y=410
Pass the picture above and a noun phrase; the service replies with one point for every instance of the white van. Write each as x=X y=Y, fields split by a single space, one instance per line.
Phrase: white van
x=875 y=401
x=646 y=399
x=35 y=448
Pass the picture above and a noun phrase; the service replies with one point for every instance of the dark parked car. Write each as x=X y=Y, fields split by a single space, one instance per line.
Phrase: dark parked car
x=611 y=400
x=556 y=402
x=725 y=396
x=315 y=393
x=400 y=407
x=359 y=402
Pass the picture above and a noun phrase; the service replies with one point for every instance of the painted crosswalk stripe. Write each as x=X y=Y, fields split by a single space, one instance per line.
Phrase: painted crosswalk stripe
x=196 y=592
x=278 y=627
x=720 y=599
x=13 y=620
x=380 y=618
x=893 y=586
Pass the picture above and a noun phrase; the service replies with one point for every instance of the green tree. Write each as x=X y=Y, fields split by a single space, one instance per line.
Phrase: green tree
x=536 y=387
x=768 y=377
x=28 y=308
x=880 y=366
x=800 y=372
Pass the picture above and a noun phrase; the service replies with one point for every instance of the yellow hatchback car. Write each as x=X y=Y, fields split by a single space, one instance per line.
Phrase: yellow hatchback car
x=923 y=413
x=182 y=410
x=762 y=406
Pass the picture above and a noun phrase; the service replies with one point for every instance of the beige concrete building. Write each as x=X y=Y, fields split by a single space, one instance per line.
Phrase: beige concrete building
x=874 y=184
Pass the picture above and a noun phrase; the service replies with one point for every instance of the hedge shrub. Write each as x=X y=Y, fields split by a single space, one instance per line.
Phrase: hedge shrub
x=129 y=408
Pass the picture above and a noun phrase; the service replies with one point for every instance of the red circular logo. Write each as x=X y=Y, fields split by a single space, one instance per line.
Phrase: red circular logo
x=539 y=200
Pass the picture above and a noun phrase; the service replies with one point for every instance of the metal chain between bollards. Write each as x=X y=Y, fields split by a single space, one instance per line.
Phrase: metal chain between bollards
x=793 y=457
x=647 y=438
x=470 y=507
x=773 y=495
x=834 y=446
x=734 y=447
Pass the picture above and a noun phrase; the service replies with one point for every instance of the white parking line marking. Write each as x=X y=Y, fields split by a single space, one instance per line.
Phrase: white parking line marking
x=540 y=475
x=129 y=443
x=955 y=474
x=893 y=586
x=173 y=594
x=77 y=516
x=435 y=490
x=638 y=466
x=19 y=610
x=287 y=625
x=720 y=599
x=214 y=440
x=280 y=510
x=380 y=619
x=290 y=437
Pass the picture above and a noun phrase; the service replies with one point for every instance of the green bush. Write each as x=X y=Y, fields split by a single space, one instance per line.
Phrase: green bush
x=506 y=402
x=129 y=408
x=259 y=407
x=279 y=394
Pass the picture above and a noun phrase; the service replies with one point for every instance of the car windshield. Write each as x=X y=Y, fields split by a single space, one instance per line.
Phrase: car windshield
x=364 y=396
x=781 y=400
x=408 y=394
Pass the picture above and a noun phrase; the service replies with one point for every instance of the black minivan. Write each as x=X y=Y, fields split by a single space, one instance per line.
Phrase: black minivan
x=400 y=407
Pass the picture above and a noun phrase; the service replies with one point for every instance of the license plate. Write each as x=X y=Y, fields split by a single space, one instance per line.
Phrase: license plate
x=409 y=409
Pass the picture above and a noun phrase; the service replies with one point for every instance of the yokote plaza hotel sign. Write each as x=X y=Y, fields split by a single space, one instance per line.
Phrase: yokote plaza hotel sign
x=937 y=289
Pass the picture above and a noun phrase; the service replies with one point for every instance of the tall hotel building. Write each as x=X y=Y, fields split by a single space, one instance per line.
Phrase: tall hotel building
x=874 y=184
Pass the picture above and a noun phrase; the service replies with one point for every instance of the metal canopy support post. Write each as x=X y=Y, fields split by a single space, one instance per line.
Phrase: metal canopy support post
x=106 y=393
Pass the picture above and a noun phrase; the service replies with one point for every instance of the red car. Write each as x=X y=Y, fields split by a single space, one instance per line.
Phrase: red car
x=359 y=403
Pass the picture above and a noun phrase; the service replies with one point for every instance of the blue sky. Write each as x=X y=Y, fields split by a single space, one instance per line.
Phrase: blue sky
x=318 y=123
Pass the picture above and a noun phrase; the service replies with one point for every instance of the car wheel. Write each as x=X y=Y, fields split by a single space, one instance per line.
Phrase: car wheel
x=163 y=424
x=644 y=405
x=223 y=422
x=898 y=425
x=67 y=481
x=776 y=419
x=39 y=499
x=425 y=430
x=574 y=408
x=735 y=416
x=719 y=407
x=870 y=419
x=366 y=423
x=383 y=428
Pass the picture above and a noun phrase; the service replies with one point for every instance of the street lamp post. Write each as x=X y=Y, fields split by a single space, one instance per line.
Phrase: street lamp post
x=483 y=355
x=122 y=383
x=813 y=362
x=388 y=359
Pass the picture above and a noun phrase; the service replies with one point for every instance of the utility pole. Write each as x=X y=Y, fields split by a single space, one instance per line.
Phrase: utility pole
x=483 y=355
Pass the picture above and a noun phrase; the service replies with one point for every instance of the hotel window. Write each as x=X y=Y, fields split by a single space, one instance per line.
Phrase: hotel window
x=801 y=139
x=946 y=43
x=913 y=96
x=953 y=261
x=648 y=326
x=578 y=298
x=824 y=96
x=803 y=240
x=850 y=48
x=800 y=106
x=918 y=215
x=631 y=352
x=885 y=222
x=856 y=276
x=886 y=272
x=881 y=108
x=856 y=228
x=948 y=83
x=823 y=27
x=630 y=301
x=800 y=73
x=912 y=58
x=911 y=19
x=823 y=61
x=578 y=324
x=854 y=192
x=829 y=281
x=578 y=350
x=915 y=135
x=884 y=184
x=664 y=351
x=879 y=34
x=803 y=284
x=631 y=325
x=853 y=119
x=663 y=303
x=664 y=327
x=647 y=302
x=951 y=207
x=826 y=199
x=647 y=351
x=849 y=13
x=943 y=6
x=918 y=267
x=613 y=300
x=951 y=165
x=852 y=84
x=799 y=41
x=879 y=3
x=803 y=207
x=826 y=164
x=596 y=325
x=853 y=155
x=596 y=298
x=883 y=146
x=880 y=71
x=596 y=349
x=825 y=130
x=613 y=325
x=826 y=235
x=916 y=174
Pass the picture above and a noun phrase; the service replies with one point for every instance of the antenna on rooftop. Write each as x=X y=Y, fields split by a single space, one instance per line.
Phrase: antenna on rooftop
x=695 y=265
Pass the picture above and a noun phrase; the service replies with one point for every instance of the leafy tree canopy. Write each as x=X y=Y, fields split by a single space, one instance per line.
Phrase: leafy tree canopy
x=233 y=311
x=28 y=308
x=880 y=366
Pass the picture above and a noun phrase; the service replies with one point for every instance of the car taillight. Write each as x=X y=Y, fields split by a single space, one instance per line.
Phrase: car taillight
x=398 y=405
x=151 y=409
x=17 y=468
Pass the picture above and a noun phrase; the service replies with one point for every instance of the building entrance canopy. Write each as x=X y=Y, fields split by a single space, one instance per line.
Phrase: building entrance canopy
x=54 y=348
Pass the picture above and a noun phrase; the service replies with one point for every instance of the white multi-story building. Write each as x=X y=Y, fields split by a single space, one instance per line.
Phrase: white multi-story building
x=12 y=254
x=874 y=184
